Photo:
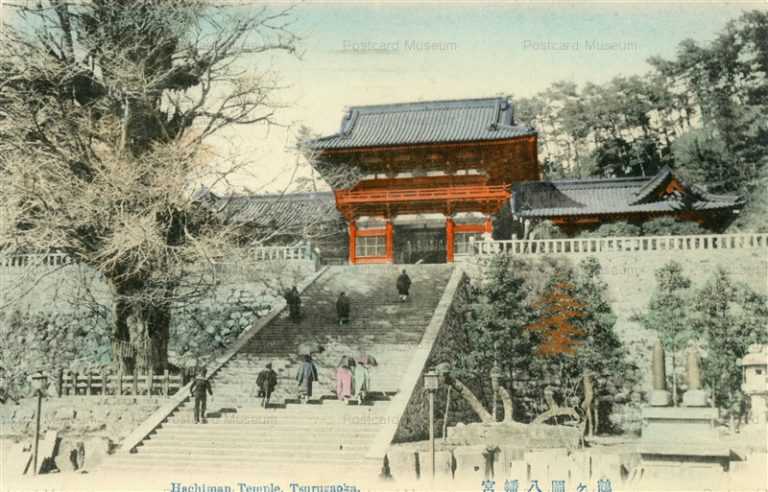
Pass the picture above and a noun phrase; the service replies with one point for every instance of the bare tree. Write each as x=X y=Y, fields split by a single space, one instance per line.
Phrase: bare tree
x=105 y=108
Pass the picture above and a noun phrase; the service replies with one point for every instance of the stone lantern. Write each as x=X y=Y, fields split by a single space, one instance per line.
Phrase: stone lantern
x=754 y=367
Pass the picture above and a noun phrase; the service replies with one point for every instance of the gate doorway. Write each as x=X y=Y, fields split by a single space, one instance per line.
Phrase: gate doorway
x=417 y=244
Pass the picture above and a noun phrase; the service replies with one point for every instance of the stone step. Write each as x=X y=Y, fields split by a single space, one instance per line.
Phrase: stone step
x=221 y=432
x=242 y=435
x=198 y=440
x=278 y=402
x=255 y=417
x=329 y=442
x=256 y=455
x=264 y=466
x=255 y=449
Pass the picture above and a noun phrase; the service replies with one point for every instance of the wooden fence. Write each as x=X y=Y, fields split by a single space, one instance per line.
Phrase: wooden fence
x=104 y=383
x=704 y=242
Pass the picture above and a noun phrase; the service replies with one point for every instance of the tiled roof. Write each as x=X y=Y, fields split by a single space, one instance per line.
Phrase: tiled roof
x=279 y=210
x=608 y=196
x=462 y=120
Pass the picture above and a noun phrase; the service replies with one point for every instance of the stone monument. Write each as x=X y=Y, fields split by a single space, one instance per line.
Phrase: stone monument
x=681 y=442
x=659 y=396
x=695 y=396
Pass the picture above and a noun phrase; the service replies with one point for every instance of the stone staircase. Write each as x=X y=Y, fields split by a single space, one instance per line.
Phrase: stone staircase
x=324 y=432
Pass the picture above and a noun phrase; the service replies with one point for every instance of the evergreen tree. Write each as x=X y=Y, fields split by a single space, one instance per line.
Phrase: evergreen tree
x=731 y=317
x=602 y=351
x=496 y=329
x=669 y=313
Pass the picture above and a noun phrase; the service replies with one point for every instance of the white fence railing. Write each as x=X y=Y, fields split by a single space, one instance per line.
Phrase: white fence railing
x=620 y=244
x=303 y=252
x=25 y=261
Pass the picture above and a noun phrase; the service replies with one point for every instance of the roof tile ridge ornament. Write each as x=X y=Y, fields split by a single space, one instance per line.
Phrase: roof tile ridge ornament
x=653 y=183
x=508 y=113
x=503 y=117
x=348 y=122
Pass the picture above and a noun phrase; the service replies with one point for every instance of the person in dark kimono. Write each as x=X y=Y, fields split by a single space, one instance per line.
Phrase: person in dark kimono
x=266 y=381
x=293 y=300
x=403 y=286
x=200 y=389
x=342 y=308
x=306 y=375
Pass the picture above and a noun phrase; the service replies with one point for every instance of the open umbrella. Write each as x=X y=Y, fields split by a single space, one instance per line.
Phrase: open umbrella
x=306 y=348
x=368 y=360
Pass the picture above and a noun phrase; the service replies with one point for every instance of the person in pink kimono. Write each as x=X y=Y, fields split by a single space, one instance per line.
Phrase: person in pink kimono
x=343 y=380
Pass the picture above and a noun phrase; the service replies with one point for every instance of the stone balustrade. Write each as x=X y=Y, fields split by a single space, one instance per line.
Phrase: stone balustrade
x=304 y=252
x=619 y=244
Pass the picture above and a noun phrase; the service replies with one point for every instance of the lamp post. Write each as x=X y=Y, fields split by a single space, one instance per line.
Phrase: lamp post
x=431 y=383
x=38 y=383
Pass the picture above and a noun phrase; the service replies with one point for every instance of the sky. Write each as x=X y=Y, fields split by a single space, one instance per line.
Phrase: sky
x=357 y=54
x=383 y=52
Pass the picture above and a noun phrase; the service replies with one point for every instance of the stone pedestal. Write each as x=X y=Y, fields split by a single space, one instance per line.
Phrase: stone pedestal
x=684 y=464
x=660 y=398
x=695 y=398
x=505 y=459
x=443 y=465
x=472 y=463
x=403 y=464
x=679 y=425
x=682 y=442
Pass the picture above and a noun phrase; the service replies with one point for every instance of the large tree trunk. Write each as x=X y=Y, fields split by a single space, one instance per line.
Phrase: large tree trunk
x=472 y=400
x=140 y=333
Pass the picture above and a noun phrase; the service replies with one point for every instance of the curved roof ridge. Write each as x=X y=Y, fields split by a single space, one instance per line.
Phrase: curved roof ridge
x=628 y=179
x=400 y=106
x=287 y=194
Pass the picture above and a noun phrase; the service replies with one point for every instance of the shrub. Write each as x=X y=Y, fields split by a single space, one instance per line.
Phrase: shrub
x=546 y=230
x=613 y=229
x=669 y=226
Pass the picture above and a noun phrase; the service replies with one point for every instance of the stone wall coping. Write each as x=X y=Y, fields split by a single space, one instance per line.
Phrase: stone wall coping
x=412 y=375
x=136 y=437
x=683 y=449
x=621 y=244
x=680 y=413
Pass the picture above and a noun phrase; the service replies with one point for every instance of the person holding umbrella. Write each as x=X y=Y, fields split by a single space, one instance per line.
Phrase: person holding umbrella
x=344 y=380
x=306 y=375
x=362 y=379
